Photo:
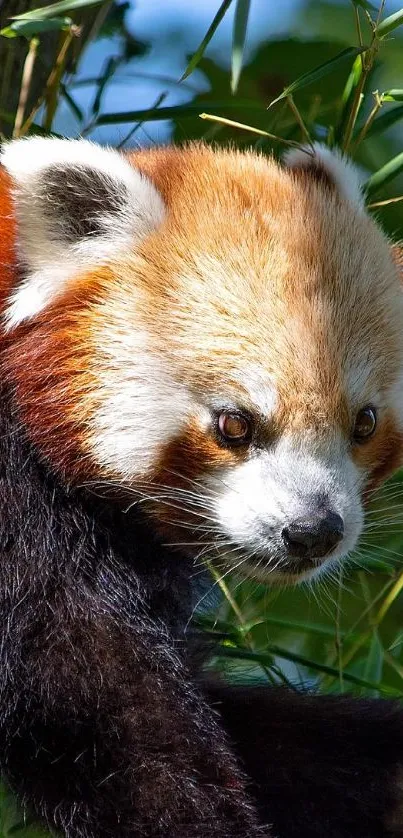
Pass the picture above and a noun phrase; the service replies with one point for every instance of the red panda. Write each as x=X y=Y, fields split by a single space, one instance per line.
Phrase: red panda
x=217 y=338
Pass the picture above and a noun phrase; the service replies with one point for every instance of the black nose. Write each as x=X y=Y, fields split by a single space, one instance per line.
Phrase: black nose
x=313 y=536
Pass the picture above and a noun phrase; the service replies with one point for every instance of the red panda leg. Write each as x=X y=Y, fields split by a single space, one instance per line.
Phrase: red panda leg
x=115 y=742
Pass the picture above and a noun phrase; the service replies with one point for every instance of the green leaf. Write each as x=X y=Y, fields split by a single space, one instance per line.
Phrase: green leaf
x=28 y=28
x=238 y=41
x=319 y=72
x=353 y=79
x=388 y=24
x=394 y=95
x=384 y=175
x=110 y=67
x=57 y=9
x=385 y=121
x=206 y=40
x=264 y=658
x=374 y=661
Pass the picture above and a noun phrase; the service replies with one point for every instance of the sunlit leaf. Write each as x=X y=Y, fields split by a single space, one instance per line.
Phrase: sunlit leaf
x=206 y=40
x=388 y=24
x=394 y=95
x=238 y=41
x=222 y=120
x=353 y=79
x=56 y=9
x=28 y=28
x=319 y=72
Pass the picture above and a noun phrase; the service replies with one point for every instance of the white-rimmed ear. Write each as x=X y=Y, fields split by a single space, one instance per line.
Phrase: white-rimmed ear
x=332 y=162
x=76 y=204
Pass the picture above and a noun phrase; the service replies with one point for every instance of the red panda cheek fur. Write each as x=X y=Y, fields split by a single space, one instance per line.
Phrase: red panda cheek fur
x=183 y=461
x=49 y=363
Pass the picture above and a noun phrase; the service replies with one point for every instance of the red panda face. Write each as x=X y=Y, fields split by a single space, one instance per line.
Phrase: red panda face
x=216 y=334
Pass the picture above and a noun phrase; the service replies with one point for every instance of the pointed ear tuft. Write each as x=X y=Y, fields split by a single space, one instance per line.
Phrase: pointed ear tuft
x=322 y=161
x=76 y=204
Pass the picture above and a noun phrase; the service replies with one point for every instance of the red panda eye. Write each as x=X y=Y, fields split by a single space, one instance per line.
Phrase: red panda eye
x=234 y=428
x=365 y=424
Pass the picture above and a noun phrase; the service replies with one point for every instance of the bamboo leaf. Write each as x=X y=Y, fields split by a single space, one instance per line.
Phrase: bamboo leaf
x=394 y=95
x=374 y=661
x=384 y=175
x=110 y=67
x=222 y=120
x=238 y=41
x=388 y=24
x=264 y=658
x=353 y=79
x=224 y=627
x=206 y=40
x=28 y=28
x=56 y=9
x=319 y=72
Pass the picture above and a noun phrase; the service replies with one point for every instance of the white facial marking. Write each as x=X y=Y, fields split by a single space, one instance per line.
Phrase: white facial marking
x=343 y=173
x=144 y=408
x=358 y=379
x=56 y=182
x=261 y=389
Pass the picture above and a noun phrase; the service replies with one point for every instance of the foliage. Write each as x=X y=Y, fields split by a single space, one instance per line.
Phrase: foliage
x=336 y=78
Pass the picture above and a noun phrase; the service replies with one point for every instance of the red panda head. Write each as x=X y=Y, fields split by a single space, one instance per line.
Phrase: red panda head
x=217 y=334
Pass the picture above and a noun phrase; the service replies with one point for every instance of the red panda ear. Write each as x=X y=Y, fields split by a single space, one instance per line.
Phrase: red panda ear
x=330 y=164
x=76 y=204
